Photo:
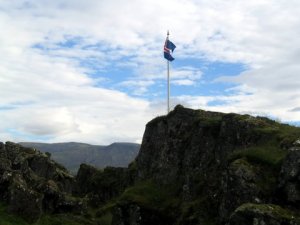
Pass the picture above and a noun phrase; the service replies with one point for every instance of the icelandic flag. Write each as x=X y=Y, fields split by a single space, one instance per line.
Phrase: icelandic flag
x=169 y=46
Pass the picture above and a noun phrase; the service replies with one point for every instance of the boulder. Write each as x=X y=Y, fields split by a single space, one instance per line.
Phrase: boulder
x=84 y=174
x=23 y=200
x=51 y=196
x=289 y=179
x=239 y=186
x=31 y=183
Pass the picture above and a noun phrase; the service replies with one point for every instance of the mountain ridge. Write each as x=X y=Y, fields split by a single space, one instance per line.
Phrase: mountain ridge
x=72 y=154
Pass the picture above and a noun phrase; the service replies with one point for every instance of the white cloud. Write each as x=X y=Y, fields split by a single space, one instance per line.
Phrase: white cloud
x=138 y=87
x=49 y=92
x=183 y=82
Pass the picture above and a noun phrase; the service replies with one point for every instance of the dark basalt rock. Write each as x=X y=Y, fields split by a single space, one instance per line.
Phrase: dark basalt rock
x=239 y=186
x=217 y=162
x=101 y=185
x=137 y=215
x=32 y=184
x=290 y=175
x=23 y=200
x=188 y=142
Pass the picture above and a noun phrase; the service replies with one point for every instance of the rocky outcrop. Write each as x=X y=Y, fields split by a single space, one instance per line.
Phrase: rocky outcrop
x=23 y=199
x=31 y=183
x=214 y=163
x=240 y=185
x=263 y=214
x=189 y=142
x=290 y=174
x=100 y=186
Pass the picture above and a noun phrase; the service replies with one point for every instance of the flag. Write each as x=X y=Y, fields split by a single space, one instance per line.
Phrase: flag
x=169 y=46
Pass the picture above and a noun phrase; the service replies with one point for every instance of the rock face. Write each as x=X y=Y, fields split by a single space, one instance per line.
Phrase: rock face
x=214 y=163
x=290 y=175
x=101 y=186
x=189 y=142
x=239 y=186
x=31 y=183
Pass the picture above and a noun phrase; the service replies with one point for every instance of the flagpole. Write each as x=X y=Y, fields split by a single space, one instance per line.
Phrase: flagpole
x=168 y=86
x=168 y=71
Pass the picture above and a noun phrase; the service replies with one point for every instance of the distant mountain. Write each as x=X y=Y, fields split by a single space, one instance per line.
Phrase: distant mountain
x=72 y=154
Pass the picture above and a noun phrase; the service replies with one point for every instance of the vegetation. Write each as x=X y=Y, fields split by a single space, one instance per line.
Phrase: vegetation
x=105 y=219
x=197 y=211
x=149 y=195
x=265 y=155
x=275 y=139
x=58 y=219
x=8 y=219
x=270 y=209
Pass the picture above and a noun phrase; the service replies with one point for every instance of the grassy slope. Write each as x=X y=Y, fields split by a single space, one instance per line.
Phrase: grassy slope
x=273 y=147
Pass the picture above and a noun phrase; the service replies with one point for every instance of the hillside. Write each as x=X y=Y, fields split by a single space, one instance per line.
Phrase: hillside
x=194 y=167
x=72 y=154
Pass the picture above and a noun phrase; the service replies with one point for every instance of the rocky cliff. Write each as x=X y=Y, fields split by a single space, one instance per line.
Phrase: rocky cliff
x=214 y=168
x=194 y=167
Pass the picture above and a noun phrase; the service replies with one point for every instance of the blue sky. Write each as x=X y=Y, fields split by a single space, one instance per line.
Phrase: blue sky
x=94 y=71
x=118 y=75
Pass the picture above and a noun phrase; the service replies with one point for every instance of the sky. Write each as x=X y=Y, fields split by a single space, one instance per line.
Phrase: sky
x=93 y=71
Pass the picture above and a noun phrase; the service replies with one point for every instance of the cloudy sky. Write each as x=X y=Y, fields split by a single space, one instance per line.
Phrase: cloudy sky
x=93 y=71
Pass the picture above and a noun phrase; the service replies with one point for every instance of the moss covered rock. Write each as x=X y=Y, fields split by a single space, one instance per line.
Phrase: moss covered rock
x=263 y=214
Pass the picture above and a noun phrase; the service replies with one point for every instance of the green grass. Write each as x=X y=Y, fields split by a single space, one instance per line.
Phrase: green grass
x=197 y=211
x=151 y=196
x=271 y=209
x=146 y=194
x=9 y=219
x=276 y=138
x=285 y=135
x=62 y=219
x=105 y=219
x=266 y=155
x=58 y=219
